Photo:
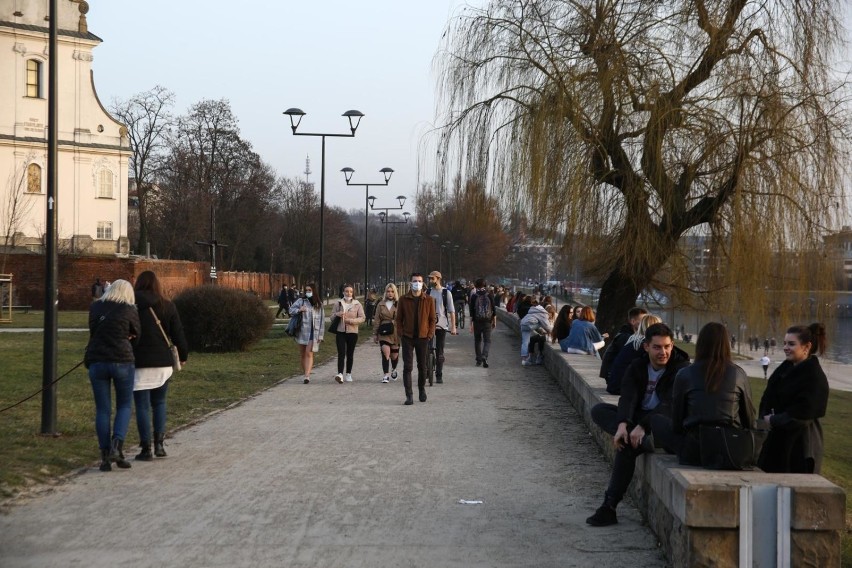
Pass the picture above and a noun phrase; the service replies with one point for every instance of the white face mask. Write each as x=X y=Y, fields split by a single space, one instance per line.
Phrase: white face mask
x=416 y=286
x=347 y=295
x=309 y=294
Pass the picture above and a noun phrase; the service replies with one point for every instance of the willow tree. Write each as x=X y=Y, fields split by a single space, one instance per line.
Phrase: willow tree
x=629 y=124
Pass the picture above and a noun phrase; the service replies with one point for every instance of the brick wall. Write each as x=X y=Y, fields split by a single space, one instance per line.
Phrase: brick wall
x=77 y=274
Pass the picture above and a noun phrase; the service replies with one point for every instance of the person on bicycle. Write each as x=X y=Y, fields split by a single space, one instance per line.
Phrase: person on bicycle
x=415 y=324
x=445 y=313
x=460 y=294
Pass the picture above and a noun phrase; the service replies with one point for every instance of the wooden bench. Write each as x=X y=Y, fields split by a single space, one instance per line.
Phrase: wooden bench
x=714 y=518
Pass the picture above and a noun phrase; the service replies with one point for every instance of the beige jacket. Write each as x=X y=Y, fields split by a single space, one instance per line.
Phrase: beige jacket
x=383 y=314
x=352 y=315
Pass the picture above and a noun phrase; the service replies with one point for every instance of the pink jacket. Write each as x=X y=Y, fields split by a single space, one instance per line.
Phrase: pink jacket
x=352 y=315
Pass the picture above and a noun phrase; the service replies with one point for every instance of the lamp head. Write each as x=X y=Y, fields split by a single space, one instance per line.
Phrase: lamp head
x=372 y=200
x=382 y=216
x=354 y=117
x=401 y=199
x=295 y=115
x=406 y=215
x=347 y=173
x=387 y=172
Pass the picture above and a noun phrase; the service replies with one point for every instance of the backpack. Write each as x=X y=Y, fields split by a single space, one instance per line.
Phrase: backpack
x=444 y=294
x=482 y=308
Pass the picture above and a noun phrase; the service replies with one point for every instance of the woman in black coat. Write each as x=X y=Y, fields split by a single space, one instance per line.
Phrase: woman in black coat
x=154 y=361
x=113 y=326
x=795 y=399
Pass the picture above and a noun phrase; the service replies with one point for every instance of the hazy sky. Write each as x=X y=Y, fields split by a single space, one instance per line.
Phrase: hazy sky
x=265 y=56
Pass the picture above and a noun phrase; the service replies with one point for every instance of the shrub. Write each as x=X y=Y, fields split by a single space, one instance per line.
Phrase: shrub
x=222 y=319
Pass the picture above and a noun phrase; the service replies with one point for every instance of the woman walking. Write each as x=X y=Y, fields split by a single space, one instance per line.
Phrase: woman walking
x=154 y=361
x=351 y=315
x=113 y=327
x=384 y=332
x=312 y=331
x=795 y=398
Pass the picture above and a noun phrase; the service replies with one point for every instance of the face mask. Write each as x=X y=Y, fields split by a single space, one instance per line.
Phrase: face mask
x=416 y=286
x=347 y=295
x=309 y=294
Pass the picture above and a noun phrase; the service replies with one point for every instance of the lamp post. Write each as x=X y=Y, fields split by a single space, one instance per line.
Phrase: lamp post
x=296 y=115
x=384 y=217
x=347 y=173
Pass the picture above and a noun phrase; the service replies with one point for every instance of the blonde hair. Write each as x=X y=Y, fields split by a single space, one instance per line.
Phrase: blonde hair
x=639 y=337
x=392 y=286
x=120 y=291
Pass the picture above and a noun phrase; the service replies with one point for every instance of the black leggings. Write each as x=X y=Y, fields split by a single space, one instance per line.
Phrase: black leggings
x=346 y=343
x=394 y=353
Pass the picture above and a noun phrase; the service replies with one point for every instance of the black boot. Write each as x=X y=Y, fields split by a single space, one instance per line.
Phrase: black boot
x=409 y=398
x=105 y=465
x=145 y=455
x=116 y=455
x=422 y=394
x=159 y=450
x=605 y=514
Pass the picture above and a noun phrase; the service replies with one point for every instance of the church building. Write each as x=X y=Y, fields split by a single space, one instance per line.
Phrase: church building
x=92 y=198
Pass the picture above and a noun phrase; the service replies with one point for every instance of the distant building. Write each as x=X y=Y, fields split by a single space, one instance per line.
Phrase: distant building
x=92 y=198
x=838 y=247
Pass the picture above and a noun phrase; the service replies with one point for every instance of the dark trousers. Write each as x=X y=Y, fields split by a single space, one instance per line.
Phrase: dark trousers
x=440 y=339
x=346 y=343
x=624 y=465
x=282 y=308
x=410 y=348
x=536 y=339
x=481 y=339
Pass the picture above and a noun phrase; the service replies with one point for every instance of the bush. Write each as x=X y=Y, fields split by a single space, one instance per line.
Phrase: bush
x=222 y=319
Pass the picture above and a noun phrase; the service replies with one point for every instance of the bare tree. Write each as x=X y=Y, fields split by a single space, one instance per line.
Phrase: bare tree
x=148 y=118
x=634 y=123
x=13 y=210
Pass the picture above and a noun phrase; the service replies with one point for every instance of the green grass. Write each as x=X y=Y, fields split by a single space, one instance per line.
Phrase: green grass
x=211 y=381
x=35 y=319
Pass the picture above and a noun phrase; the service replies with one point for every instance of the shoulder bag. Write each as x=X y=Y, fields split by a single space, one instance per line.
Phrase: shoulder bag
x=335 y=322
x=726 y=447
x=172 y=347
x=295 y=325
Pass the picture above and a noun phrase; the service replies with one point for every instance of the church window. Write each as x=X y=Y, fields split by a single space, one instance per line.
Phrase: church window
x=105 y=180
x=34 y=78
x=105 y=230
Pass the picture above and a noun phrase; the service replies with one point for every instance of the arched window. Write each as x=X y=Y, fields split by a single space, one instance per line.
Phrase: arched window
x=105 y=184
x=34 y=78
x=33 y=178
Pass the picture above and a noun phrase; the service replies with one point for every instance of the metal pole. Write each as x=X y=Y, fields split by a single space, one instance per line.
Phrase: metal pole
x=322 y=222
x=387 y=255
x=394 y=252
x=366 y=238
x=51 y=292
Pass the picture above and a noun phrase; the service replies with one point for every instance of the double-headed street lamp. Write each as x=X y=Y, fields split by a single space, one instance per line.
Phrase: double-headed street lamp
x=385 y=218
x=296 y=115
x=347 y=173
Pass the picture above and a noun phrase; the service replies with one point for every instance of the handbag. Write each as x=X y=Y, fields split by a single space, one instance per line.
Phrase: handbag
x=176 y=366
x=335 y=323
x=295 y=325
x=725 y=447
x=386 y=328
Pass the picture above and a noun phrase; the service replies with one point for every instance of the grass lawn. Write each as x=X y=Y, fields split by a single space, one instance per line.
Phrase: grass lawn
x=211 y=381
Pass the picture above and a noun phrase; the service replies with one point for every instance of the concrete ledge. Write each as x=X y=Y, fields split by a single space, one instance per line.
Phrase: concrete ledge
x=693 y=511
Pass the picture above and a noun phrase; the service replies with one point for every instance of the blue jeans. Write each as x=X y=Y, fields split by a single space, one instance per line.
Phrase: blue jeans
x=144 y=400
x=525 y=342
x=102 y=376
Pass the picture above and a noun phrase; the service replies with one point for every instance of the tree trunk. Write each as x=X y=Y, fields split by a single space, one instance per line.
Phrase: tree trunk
x=618 y=295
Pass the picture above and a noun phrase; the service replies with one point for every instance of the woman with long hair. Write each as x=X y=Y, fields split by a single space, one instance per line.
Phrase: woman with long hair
x=795 y=398
x=351 y=315
x=154 y=361
x=312 y=331
x=385 y=333
x=584 y=338
x=711 y=391
x=562 y=325
x=631 y=350
x=113 y=329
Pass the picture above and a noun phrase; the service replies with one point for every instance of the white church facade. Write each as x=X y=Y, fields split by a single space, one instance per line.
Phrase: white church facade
x=92 y=182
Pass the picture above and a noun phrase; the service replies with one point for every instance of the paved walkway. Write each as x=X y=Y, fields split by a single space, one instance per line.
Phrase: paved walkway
x=345 y=475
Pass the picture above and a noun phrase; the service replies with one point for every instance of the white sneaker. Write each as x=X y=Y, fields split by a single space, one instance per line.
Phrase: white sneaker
x=394 y=375
x=348 y=377
x=385 y=379
x=526 y=363
x=339 y=378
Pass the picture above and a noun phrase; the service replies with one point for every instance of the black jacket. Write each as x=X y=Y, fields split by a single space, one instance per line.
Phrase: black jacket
x=613 y=349
x=729 y=405
x=112 y=328
x=797 y=397
x=152 y=350
x=635 y=382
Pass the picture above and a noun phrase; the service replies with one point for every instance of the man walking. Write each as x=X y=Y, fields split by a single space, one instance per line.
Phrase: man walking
x=283 y=301
x=646 y=390
x=483 y=318
x=445 y=312
x=415 y=324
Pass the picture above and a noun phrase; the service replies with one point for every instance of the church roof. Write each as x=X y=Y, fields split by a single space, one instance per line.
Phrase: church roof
x=32 y=28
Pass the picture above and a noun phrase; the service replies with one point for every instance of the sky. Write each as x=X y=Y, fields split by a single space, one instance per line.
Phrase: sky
x=322 y=56
x=265 y=56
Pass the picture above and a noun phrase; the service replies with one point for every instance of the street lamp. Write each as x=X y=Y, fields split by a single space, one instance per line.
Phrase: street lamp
x=296 y=115
x=368 y=202
x=385 y=219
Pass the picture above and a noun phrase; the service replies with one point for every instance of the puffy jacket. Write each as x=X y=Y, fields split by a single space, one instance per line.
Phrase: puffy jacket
x=635 y=383
x=354 y=315
x=729 y=405
x=535 y=318
x=152 y=350
x=405 y=316
x=113 y=328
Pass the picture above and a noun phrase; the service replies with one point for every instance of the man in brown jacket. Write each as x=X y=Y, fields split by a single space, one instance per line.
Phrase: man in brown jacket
x=415 y=324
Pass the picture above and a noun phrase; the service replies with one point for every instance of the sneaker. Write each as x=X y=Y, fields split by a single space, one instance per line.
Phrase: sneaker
x=339 y=378
x=385 y=379
x=307 y=380
x=603 y=517
x=348 y=377
x=394 y=374
x=526 y=363
x=484 y=364
x=478 y=363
